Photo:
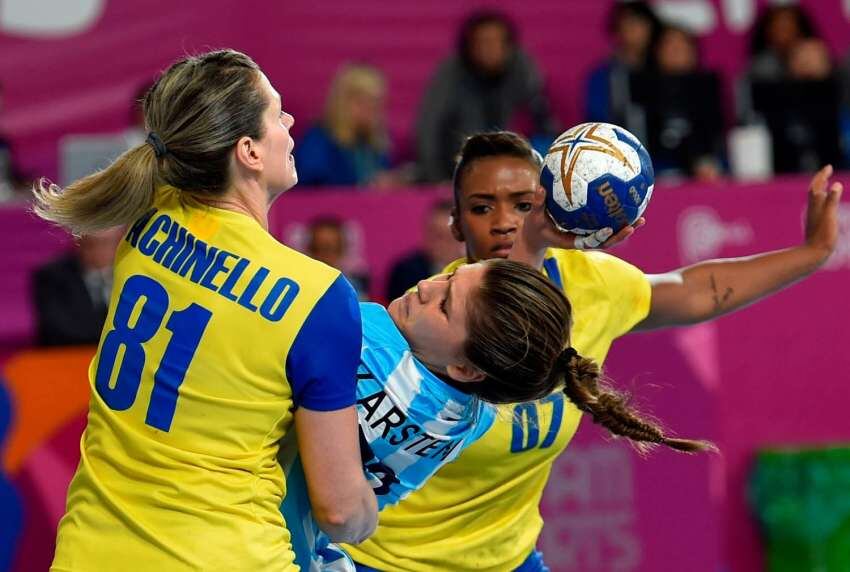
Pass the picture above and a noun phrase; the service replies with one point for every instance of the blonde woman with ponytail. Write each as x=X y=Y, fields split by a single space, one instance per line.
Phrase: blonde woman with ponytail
x=215 y=334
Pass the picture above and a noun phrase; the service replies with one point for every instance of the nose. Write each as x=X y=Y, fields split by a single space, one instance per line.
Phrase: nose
x=428 y=289
x=288 y=120
x=506 y=221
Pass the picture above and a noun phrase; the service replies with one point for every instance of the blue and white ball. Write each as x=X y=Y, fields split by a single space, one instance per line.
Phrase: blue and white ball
x=596 y=175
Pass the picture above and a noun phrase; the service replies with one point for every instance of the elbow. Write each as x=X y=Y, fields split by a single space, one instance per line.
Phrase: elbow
x=352 y=524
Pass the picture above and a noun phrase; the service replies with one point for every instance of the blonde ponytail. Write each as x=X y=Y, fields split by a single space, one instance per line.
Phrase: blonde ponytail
x=114 y=196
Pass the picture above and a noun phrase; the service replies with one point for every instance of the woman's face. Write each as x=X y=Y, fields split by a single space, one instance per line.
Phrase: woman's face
x=434 y=318
x=783 y=30
x=633 y=32
x=365 y=110
x=277 y=144
x=676 y=53
x=495 y=197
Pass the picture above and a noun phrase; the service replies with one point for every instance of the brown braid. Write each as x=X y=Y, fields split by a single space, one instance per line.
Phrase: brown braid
x=611 y=410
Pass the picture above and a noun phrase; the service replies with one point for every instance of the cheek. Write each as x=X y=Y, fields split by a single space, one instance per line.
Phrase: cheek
x=476 y=228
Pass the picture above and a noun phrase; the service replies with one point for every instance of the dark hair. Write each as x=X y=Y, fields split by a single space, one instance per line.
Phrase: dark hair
x=476 y=20
x=638 y=9
x=491 y=144
x=758 y=40
x=199 y=108
x=519 y=326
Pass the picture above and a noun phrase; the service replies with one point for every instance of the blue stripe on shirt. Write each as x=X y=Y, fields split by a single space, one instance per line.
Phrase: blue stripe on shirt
x=551 y=267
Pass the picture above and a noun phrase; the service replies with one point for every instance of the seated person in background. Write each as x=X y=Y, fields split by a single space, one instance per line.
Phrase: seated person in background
x=633 y=28
x=681 y=108
x=438 y=248
x=775 y=33
x=802 y=109
x=71 y=294
x=349 y=146
x=487 y=85
x=327 y=242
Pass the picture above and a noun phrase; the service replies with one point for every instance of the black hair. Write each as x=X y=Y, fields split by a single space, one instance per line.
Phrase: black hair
x=491 y=144
x=475 y=21
x=758 y=40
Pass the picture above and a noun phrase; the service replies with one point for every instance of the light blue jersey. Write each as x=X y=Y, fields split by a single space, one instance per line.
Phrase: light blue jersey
x=411 y=424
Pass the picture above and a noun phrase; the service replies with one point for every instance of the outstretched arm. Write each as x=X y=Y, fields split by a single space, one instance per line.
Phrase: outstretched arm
x=710 y=289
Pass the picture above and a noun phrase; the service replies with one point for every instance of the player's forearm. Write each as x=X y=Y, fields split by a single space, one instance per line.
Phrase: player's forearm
x=716 y=287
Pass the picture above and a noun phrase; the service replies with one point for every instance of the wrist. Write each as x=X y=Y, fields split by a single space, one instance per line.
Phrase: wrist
x=816 y=254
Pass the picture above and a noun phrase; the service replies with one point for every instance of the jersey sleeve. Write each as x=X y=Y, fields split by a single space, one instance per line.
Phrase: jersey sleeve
x=322 y=363
x=628 y=289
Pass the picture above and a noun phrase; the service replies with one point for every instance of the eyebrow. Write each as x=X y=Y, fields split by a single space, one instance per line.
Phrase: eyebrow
x=492 y=196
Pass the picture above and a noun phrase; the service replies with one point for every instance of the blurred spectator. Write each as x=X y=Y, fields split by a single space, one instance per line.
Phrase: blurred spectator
x=489 y=84
x=71 y=294
x=350 y=145
x=14 y=185
x=791 y=87
x=633 y=28
x=326 y=241
x=680 y=103
x=776 y=32
x=438 y=249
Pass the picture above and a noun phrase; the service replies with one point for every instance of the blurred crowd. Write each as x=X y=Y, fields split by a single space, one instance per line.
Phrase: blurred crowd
x=792 y=103
x=794 y=94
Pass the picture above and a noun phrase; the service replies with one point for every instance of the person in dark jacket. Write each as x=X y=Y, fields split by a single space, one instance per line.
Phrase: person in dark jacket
x=71 y=293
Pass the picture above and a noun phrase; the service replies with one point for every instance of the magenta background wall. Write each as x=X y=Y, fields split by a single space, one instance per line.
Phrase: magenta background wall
x=84 y=82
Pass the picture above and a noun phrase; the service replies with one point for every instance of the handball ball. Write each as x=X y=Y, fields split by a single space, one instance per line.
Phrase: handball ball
x=596 y=175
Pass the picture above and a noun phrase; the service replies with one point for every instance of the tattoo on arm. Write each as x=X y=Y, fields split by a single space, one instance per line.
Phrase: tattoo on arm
x=716 y=296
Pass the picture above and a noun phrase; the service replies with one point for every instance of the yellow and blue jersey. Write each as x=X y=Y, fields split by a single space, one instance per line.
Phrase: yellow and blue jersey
x=215 y=332
x=481 y=512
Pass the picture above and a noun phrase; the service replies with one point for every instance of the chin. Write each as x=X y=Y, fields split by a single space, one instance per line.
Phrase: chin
x=392 y=308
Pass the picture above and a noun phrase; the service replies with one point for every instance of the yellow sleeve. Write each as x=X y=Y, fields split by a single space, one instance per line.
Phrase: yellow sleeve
x=625 y=287
x=454 y=265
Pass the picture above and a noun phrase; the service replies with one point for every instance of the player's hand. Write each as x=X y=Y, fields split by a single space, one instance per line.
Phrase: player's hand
x=540 y=231
x=822 y=214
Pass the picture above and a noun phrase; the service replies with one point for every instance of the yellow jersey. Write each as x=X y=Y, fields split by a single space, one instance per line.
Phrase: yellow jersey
x=481 y=512
x=215 y=332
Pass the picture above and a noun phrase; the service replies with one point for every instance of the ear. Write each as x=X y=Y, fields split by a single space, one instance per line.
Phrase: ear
x=247 y=154
x=454 y=225
x=465 y=373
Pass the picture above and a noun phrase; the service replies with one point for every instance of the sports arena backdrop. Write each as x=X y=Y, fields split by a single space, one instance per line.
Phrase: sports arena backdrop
x=773 y=374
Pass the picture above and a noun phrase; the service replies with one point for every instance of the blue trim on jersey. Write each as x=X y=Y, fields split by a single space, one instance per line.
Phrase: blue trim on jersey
x=534 y=563
x=322 y=362
x=550 y=265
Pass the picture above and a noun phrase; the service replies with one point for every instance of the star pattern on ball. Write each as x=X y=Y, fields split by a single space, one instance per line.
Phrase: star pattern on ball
x=571 y=145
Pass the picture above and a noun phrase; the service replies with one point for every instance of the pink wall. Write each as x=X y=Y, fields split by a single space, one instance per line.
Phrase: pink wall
x=83 y=83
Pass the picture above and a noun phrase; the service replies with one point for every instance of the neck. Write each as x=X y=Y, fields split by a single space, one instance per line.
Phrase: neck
x=250 y=200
